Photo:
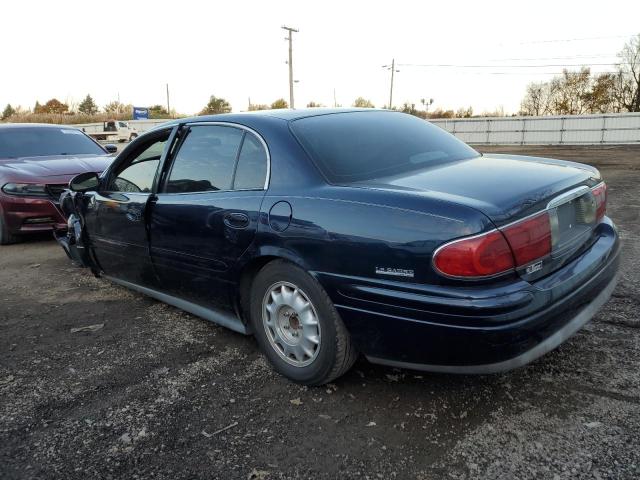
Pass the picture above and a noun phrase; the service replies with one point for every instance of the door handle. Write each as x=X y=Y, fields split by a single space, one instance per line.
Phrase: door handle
x=236 y=220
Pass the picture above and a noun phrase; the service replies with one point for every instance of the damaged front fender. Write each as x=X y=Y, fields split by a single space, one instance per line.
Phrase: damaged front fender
x=75 y=240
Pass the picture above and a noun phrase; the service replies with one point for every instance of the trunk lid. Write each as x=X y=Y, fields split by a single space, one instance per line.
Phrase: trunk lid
x=503 y=187
x=509 y=188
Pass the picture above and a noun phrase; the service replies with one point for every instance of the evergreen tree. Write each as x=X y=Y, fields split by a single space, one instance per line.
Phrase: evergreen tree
x=88 y=106
x=8 y=111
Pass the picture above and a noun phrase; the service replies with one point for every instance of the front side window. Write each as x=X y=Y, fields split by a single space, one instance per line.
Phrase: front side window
x=137 y=175
x=206 y=160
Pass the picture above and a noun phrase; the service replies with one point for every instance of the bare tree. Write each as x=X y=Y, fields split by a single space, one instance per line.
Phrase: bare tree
x=629 y=69
x=464 y=112
x=600 y=98
x=534 y=100
x=570 y=92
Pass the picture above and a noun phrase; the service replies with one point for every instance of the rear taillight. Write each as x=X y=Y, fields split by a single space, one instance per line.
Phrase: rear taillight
x=497 y=251
x=530 y=238
x=600 y=194
x=479 y=256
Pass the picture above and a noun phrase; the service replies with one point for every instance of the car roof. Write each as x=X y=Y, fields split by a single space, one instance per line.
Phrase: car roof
x=35 y=125
x=287 y=114
x=295 y=114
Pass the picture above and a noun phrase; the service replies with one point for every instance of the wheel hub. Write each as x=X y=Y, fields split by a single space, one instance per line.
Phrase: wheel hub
x=289 y=324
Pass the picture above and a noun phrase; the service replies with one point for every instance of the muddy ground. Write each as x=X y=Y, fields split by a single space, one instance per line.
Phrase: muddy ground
x=157 y=393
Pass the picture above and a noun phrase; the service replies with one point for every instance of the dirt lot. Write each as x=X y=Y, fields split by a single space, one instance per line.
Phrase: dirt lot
x=157 y=393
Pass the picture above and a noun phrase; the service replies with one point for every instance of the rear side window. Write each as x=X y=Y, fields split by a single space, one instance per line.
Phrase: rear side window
x=358 y=146
x=206 y=160
x=251 y=171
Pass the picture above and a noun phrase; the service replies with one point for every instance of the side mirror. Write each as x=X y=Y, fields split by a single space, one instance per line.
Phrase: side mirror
x=111 y=148
x=85 y=182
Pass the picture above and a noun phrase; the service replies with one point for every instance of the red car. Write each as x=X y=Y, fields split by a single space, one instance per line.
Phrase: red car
x=36 y=164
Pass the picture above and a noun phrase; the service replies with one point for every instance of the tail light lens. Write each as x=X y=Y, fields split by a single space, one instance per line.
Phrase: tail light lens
x=600 y=194
x=480 y=256
x=530 y=238
x=507 y=248
x=497 y=251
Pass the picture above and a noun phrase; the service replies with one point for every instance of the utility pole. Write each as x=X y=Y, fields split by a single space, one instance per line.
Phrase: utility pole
x=168 y=107
x=391 y=67
x=290 y=39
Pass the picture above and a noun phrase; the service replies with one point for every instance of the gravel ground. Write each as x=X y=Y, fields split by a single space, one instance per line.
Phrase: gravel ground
x=152 y=392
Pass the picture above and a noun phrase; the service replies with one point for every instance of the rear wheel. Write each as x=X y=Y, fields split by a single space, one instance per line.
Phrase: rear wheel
x=297 y=326
x=133 y=137
x=6 y=237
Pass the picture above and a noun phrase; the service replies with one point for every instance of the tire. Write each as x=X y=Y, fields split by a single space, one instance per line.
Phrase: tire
x=6 y=237
x=133 y=137
x=277 y=326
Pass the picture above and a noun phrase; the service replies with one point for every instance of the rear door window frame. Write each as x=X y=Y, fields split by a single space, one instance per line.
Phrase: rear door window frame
x=183 y=134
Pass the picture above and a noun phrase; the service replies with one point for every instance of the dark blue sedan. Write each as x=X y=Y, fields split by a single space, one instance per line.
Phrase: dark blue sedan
x=329 y=233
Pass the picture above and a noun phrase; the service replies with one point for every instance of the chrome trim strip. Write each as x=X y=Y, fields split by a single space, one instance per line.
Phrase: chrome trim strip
x=248 y=129
x=567 y=196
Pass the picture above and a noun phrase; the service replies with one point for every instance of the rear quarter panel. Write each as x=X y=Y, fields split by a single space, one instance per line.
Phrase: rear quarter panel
x=358 y=231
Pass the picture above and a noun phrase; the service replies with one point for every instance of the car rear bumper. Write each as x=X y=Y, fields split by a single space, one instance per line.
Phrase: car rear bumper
x=24 y=215
x=480 y=329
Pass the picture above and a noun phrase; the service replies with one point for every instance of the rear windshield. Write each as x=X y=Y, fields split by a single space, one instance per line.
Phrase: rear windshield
x=357 y=146
x=18 y=142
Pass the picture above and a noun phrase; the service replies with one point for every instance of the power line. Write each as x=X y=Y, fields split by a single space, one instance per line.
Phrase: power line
x=560 y=40
x=517 y=73
x=450 y=65
x=565 y=57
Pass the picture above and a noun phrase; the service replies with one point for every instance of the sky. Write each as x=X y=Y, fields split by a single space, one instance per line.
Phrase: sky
x=237 y=50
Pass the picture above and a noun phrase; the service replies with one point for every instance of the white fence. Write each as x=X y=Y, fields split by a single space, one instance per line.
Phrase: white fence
x=552 y=130
x=615 y=128
x=140 y=125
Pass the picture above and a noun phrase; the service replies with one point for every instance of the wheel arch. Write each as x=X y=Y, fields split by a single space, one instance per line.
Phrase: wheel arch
x=251 y=265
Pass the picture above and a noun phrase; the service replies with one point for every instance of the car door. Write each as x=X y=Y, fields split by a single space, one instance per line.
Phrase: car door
x=118 y=227
x=206 y=211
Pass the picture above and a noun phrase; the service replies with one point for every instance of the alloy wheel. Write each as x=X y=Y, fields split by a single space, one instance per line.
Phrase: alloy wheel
x=291 y=323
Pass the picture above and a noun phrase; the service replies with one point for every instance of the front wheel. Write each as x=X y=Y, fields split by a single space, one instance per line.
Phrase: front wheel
x=297 y=326
x=6 y=237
